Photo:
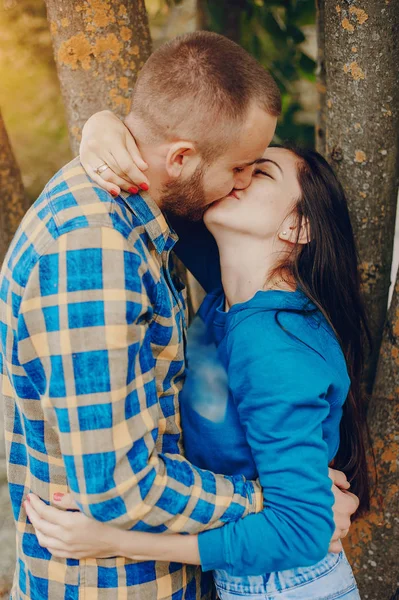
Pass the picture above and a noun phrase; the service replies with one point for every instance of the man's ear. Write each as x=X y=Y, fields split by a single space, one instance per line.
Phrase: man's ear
x=179 y=154
x=289 y=231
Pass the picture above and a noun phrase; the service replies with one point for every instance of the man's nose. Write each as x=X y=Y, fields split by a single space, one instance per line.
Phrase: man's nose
x=244 y=178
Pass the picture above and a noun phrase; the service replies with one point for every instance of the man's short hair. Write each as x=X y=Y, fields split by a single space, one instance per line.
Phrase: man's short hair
x=199 y=87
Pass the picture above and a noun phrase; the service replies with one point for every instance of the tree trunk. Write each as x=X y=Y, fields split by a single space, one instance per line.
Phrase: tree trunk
x=321 y=80
x=372 y=543
x=361 y=55
x=13 y=200
x=99 y=48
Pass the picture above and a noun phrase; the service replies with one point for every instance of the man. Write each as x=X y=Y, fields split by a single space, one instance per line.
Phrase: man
x=93 y=328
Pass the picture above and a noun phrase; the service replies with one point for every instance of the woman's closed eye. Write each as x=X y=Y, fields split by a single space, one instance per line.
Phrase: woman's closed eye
x=261 y=172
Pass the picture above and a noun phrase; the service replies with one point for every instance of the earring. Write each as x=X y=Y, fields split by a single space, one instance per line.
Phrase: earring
x=283 y=233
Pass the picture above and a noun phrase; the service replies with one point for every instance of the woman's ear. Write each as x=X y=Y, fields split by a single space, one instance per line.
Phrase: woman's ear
x=289 y=232
x=179 y=154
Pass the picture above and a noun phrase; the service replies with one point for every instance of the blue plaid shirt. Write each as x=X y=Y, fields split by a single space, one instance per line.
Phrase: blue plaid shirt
x=92 y=361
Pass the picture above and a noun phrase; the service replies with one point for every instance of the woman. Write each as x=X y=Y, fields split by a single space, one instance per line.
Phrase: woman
x=274 y=365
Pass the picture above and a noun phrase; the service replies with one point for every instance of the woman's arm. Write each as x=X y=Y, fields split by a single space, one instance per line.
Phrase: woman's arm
x=281 y=399
x=280 y=387
x=106 y=140
x=73 y=535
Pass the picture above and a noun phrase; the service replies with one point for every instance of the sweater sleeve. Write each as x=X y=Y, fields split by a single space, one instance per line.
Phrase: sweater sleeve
x=280 y=387
x=198 y=252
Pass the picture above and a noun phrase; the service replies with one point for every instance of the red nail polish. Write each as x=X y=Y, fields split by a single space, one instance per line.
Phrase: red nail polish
x=114 y=192
x=133 y=190
x=144 y=187
x=57 y=497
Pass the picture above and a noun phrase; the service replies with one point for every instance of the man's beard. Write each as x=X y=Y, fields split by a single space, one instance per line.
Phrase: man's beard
x=185 y=199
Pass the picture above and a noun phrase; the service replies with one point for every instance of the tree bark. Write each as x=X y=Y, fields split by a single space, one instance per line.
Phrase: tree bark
x=321 y=79
x=372 y=543
x=14 y=203
x=99 y=48
x=361 y=55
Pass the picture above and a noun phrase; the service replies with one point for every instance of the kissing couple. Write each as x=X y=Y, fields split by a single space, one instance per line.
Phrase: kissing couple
x=125 y=426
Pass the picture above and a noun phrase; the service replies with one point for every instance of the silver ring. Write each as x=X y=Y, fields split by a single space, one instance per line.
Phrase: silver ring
x=101 y=168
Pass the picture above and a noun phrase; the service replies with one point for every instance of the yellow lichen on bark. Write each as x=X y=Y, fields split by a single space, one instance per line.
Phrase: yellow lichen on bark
x=395 y=354
x=119 y=101
x=126 y=33
x=395 y=327
x=347 y=25
x=107 y=48
x=75 y=131
x=359 y=13
x=75 y=50
x=356 y=71
x=100 y=13
x=390 y=455
x=360 y=156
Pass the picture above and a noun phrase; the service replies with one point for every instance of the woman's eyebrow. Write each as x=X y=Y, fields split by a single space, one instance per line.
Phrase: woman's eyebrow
x=258 y=161
x=273 y=162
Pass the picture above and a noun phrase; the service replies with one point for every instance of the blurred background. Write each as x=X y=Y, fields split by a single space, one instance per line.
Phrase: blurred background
x=281 y=34
x=31 y=101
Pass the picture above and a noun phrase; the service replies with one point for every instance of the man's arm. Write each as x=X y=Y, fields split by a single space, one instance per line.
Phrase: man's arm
x=84 y=342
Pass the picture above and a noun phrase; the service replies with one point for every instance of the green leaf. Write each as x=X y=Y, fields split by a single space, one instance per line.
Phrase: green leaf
x=307 y=64
x=296 y=34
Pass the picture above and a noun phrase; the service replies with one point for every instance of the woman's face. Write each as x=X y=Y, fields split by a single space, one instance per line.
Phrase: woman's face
x=262 y=209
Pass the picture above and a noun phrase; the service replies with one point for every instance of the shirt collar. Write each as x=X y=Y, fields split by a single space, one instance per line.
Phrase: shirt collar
x=154 y=222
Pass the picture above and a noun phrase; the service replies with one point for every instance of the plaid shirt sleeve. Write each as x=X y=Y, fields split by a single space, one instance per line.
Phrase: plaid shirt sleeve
x=84 y=342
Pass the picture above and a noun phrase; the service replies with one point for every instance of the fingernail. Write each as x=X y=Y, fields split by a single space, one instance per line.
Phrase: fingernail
x=57 y=497
x=133 y=190
x=114 y=192
x=144 y=186
x=27 y=498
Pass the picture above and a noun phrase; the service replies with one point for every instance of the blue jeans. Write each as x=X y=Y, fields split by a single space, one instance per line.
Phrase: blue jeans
x=329 y=579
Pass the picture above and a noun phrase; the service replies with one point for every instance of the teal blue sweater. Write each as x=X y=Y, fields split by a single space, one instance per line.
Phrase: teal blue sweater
x=263 y=398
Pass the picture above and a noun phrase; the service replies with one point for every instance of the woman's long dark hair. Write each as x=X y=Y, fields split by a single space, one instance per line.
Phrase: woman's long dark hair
x=326 y=269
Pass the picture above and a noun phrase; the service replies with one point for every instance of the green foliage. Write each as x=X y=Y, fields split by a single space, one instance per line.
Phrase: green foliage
x=271 y=30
